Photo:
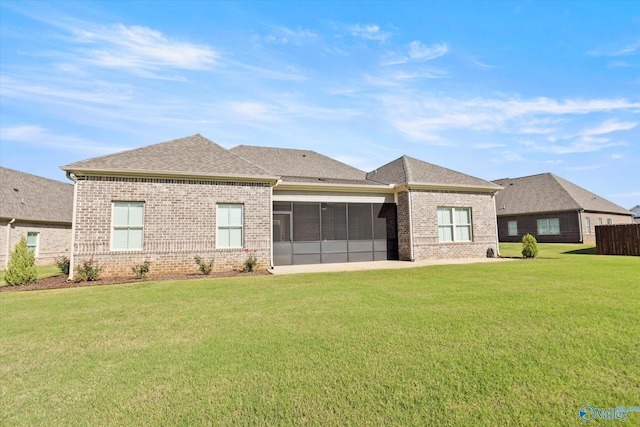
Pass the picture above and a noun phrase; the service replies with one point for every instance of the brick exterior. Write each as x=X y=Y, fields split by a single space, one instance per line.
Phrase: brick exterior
x=424 y=233
x=570 y=224
x=54 y=240
x=179 y=223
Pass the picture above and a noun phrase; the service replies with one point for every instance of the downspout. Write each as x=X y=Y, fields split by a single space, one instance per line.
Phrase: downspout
x=8 y=249
x=411 y=250
x=580 y=225
x=73 y=178
x=495 y=214
x=271 y=226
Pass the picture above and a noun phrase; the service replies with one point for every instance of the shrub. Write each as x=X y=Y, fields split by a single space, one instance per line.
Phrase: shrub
x=88 y=271
x=63 y=264
x=141 y=270
x=21 y=268
x=529 y=246
x=251 y=261
x=205 y=267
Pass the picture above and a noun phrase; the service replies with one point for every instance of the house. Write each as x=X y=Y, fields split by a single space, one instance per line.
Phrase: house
x=552 y=209
x=636 y=214
x=171 y=201
x=39 y=209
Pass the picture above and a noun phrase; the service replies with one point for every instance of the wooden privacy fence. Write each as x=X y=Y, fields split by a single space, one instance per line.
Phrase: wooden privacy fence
x=621 y=239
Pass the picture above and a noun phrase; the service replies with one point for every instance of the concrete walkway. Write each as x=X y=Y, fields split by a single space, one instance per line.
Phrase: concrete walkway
x=375 y=265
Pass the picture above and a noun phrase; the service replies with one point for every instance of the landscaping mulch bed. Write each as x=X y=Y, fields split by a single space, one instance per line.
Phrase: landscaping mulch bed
x=60 y=281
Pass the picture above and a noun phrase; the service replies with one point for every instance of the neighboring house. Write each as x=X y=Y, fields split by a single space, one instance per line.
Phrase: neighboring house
x=636 y=214
x=169 y=202
x=39 y=209
x=552 y=209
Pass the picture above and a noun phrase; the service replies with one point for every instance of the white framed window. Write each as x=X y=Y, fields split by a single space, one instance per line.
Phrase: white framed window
x=599 y=221
x=128 y=226
x=548 y=226
x=454 y=224
x=609 y=221
x=32 y=242
x=230 y=220
x=587 y=223
x=512 y=227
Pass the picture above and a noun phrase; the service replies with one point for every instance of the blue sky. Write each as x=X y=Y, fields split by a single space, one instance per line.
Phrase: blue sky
x=491 y=89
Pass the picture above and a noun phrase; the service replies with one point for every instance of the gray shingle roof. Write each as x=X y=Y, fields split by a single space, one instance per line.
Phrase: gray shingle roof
x=191 y=155
x=413 y=171
x=301 y=165
x=29 y=197
x=548 y=193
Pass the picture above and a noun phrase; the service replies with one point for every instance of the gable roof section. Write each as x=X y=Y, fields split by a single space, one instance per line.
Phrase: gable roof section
x=416 y=173
x=302 y=166
x=34 y=198
x=548 y=193
x=193 y=156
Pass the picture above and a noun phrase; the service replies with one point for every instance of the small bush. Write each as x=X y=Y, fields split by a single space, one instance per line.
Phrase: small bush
x=251 y=262
x=22 y=265
x=141 y=270
x=529 y=246
x=63 y=264
x=88 y=271
x=204 y=267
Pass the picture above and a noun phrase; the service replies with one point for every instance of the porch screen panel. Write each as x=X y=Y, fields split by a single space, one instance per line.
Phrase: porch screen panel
x=360 y=221
x=384 y=221
x=334 y=221
x=306 y=221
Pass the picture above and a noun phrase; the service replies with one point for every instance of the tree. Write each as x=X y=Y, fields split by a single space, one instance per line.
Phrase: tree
x=529 y=246
x=22 y=265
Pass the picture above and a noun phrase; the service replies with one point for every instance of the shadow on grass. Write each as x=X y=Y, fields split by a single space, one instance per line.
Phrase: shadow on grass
x=584 y=251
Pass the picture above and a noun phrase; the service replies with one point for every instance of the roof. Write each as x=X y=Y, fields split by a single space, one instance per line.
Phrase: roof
x=549 y=193
x=301 y=165
x=34 y=198
x=418 y=173
x=190 y=156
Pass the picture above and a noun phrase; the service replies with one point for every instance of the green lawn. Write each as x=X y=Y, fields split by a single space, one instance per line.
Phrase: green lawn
x=523 y=342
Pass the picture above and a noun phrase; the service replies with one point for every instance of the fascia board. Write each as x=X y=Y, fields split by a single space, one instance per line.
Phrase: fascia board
x=132 y=173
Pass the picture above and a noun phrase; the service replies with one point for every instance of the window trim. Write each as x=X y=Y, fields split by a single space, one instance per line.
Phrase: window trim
x=454 y=226
x=509 y=229
x=548 y=227
x=230 y=226
x=37 y=245
x=587 y=224
x=127 y=227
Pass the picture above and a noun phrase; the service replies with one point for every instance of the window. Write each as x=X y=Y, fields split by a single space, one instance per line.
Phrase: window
x=454 y=224
x=609 y=221
x=32 y=242
x=128 y=226
x=513 y=228
x=587 y=222
x=230 y=220
x=548 y=226
x=599 y=221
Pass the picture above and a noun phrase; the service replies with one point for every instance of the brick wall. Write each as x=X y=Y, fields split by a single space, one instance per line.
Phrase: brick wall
x=570 y=224
x=424 y=211
x=179 y=223
x=54 y=240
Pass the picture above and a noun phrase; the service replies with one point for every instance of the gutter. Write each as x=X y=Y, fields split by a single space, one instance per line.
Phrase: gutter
x=73 y=178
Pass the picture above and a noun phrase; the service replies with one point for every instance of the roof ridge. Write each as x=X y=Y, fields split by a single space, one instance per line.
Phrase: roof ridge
x=250 y=162
x=408 y=173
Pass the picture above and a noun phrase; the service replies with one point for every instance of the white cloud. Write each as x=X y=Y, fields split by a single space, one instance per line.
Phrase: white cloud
x=609 y=126
x=369 y=32
x=39 y=136
x=583 y=168
x=421 y=52
x=628 y=49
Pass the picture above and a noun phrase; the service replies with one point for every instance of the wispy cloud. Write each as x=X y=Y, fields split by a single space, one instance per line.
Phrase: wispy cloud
x=583 y=168
x=609 y=126
x=369 y=32
x=422 y=52
x=39 y=136
x=628 y=49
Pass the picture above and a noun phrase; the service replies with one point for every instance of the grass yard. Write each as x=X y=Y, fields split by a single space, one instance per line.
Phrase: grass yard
x=525 y=342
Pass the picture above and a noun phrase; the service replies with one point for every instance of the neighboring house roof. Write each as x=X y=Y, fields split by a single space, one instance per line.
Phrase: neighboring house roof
x=548 y=193
x=34 y=198
x=418 y=173
x=301 y=165
x=190 y=156
x=636 y=210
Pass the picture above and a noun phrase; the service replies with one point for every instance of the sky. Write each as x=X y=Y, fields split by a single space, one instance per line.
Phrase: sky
x=491 y=89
